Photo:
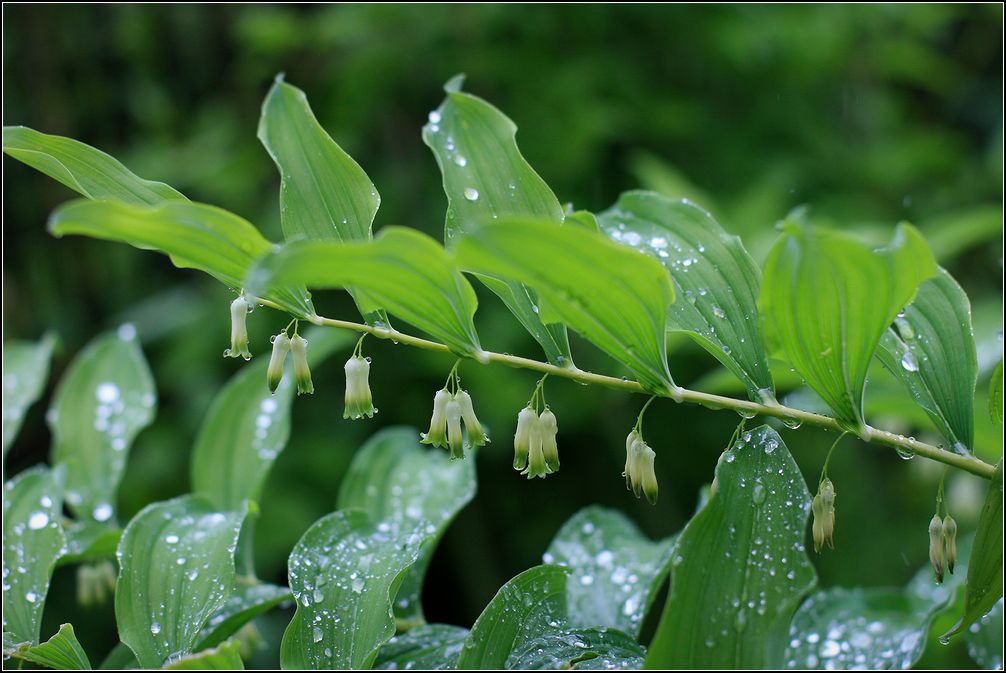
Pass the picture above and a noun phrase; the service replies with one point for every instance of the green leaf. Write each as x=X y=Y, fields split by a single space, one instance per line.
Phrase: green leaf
x=88 y=541
x=222 y=658
x=615 y=571
x=194 y=235
x=579 y=649
x=32 y=541
x=105 y=398
x=176 y=568
x=61 y=652
x=614 y=296
x=344 y=573
x=826 y=299
x=931 y=350
x=246 y=602
x=25 y=370
x=396 y=479
x=711 y=271
x=985 y=569
x=740 y=568
x=402 y=269
x=485 y=178
x=324 y=194
x=985 y=639
x=82 y=168
x=119 y=658
x=996 y=395
x=430 y=647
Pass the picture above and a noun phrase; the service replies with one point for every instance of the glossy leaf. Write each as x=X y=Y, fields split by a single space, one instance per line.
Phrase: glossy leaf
x=430 y=647
x=61 y=652
x=404 y=270
x=246 y=602
x=485 y=178
x=985 y=569
x=344 y=573
x=615 y=297
x=826 y=299
x=740 y=568
x=715 y=279
x=615 y=571
x=25 y=370
x=222 y=658
x=996 y=395
x=84 y=169
x=194 y=235
x=105 y=398
x=396 y=479
x=579 y=649
x=32 y=541
x=931 y=350
x=324 y=194
x=176 y=569
x=985 y=639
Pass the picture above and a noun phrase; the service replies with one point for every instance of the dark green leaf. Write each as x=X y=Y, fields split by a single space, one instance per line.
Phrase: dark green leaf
x=32 y=541
x=985 y=639
x=25 y=369
x=344 y=573
x=996 y=395
x=404 y=270
x=396 y=479
x=104 y=399
x=826 y=299
x=716 y=281
x=614 y=296
x=931 y=350
x=246 y=602
x=82 y=168
x=176 y=569
x=739 y=569
x=120 y=658
x=222 y=658
x=61 y=652
x=615 y=571
x=430 y=647
x=485 y=178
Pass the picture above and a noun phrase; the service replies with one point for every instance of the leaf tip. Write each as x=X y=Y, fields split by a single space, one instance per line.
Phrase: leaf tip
x=455 y=83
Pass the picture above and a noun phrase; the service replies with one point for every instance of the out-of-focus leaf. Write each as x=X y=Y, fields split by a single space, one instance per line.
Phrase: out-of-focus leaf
x=826 y=299
x=120 y=658
x=716 y=281
x=324 y=194
x=615 y=571
x=61 y=652
x=579 y=649
x=404 y=270
x=614 y=296
x=246 y=602
x=985 y=569
x=996 y=395
x=931 y=350
x=740 y=568
x=396 y=479
x=953 y=233
x=344 y=573
x=430 y=647
x=25 y=369
x=194 y=235
x=985 y=639
x=88 y=541
x=176 y=569
x=84 y=169
x=32 y=541
x=104 y=399
x=222 y=658
x=486 y=178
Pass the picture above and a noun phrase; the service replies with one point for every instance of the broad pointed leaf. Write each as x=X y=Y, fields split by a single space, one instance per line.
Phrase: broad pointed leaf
x=931 y=350
x=740 y=568
x=176 y=569
x=105 y=398
x=616 y=297
x=715 y=279
x=222 y=658
x=430 y=647
x=25 y=369
x=985 y=639
x=396 y=479
x=61 y=652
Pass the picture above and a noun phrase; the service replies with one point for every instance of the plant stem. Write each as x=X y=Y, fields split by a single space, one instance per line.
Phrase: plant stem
x=873 y=435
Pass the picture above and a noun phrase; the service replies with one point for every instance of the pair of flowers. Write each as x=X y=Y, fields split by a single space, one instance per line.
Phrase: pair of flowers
x=942 y=545
x=282 y=346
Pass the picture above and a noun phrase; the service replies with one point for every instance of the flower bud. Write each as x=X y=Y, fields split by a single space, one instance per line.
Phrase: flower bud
x=640 y=475
x=280 y=347
x=476 y=435
x=548 y=428
x=526 y=420
x=950 y=539
x=455 y=440
x=239 y=330
x=630 y=441
x=301 y=370
x=823 y=508
x=359 y=402
x=437 y=435
x=936 y=556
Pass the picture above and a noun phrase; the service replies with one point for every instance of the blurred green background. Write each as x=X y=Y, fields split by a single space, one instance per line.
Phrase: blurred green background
x=869 y=114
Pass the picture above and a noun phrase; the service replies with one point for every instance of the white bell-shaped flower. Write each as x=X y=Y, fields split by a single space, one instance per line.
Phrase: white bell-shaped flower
x=359 y=401
x=239 y=330
x=548 y=427
x=301 y=370
x=437 y=434
x=526 y=420
x=455 y=440
x=476 y=435
x=280 y=349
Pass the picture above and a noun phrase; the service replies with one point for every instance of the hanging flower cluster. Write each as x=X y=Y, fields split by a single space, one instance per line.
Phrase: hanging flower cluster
x=640 y=476
x=942 y=540
x=536 y=453
x=283 y=345
x=452 y=406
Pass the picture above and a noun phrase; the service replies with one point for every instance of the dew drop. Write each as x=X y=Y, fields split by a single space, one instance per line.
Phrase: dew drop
x=471 y=194
x=38 y=520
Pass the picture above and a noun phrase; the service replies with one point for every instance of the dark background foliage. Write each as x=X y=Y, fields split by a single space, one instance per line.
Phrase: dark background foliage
x=869 y=114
